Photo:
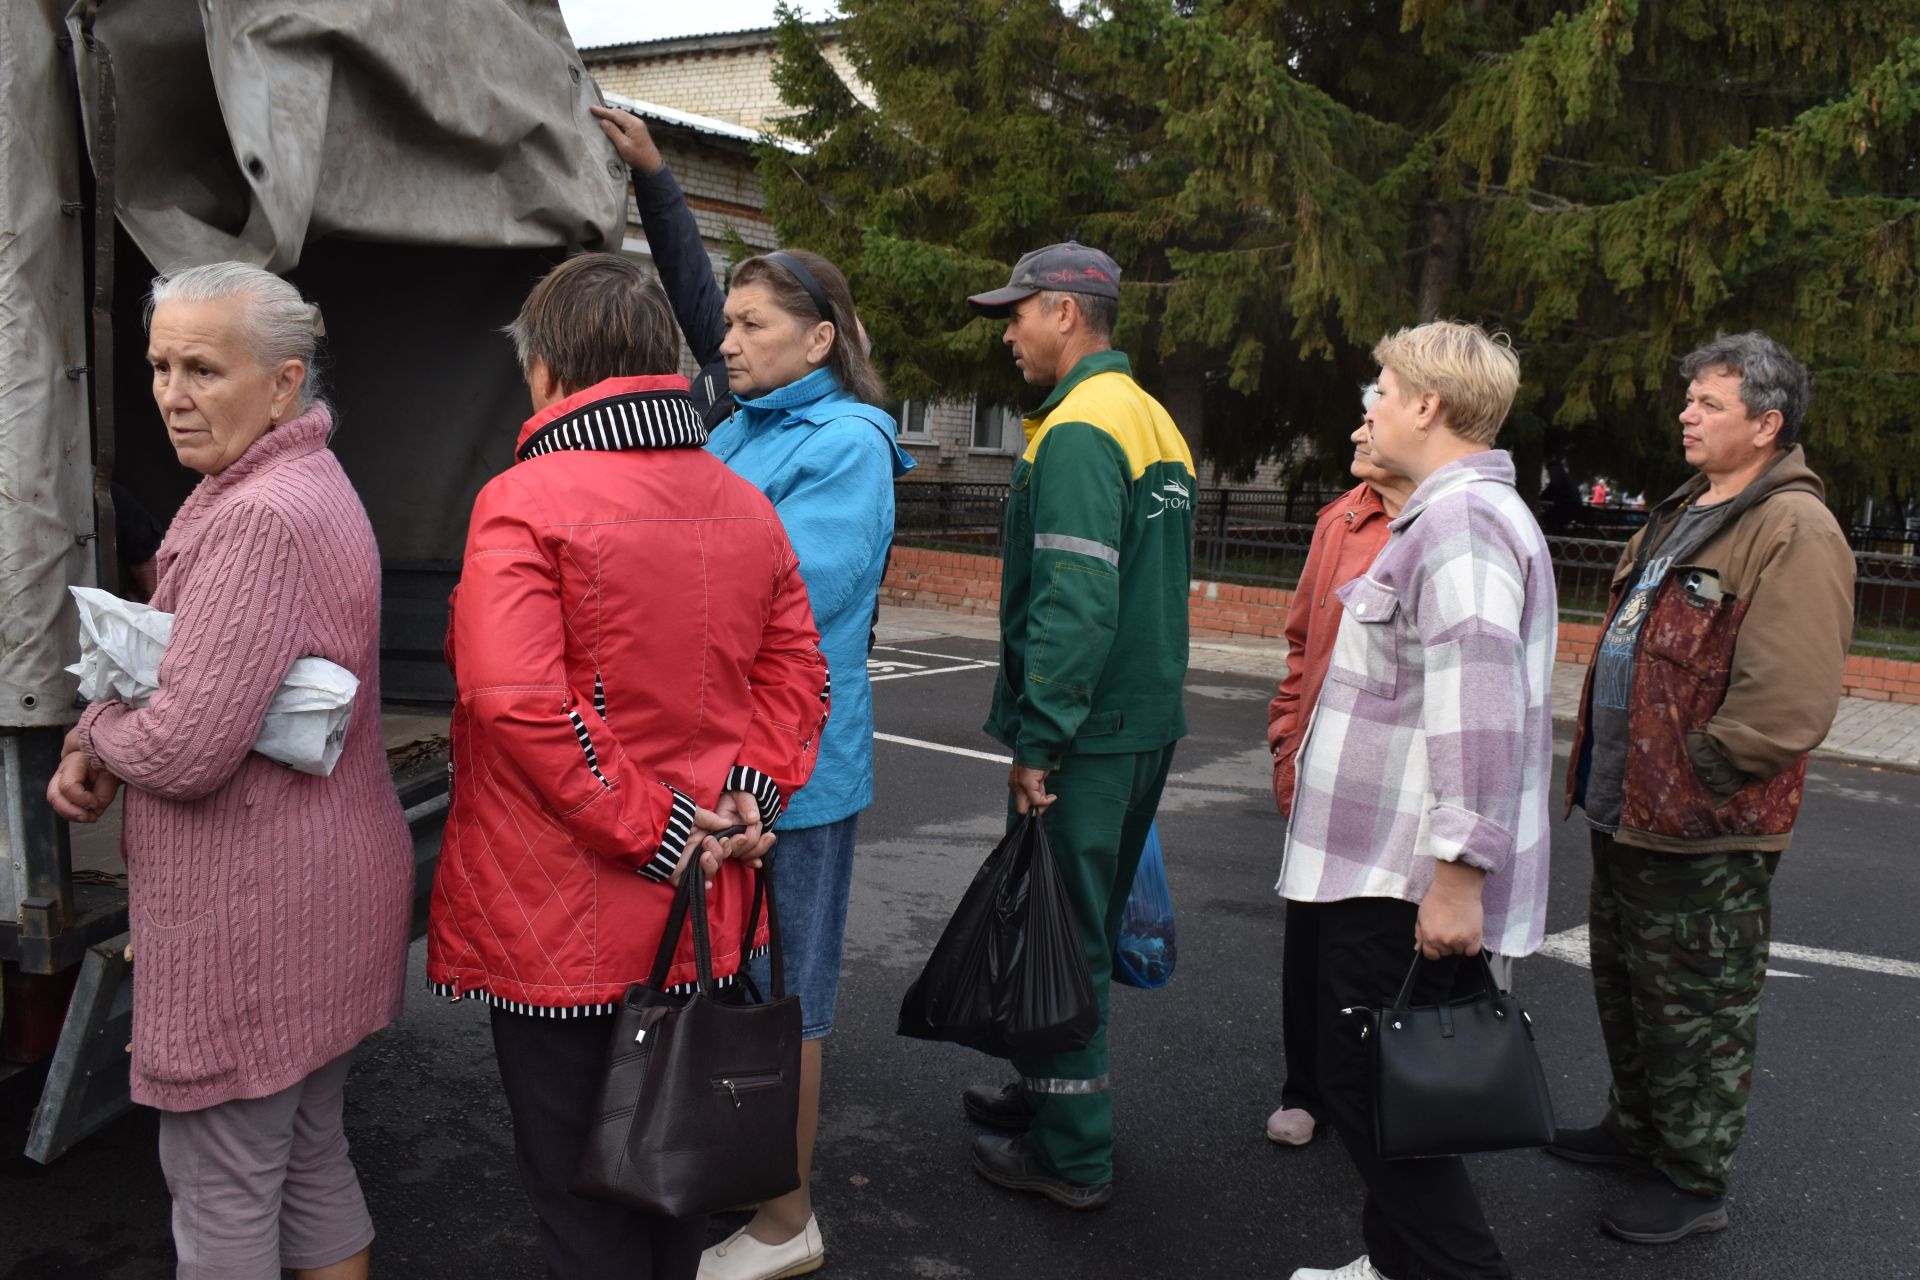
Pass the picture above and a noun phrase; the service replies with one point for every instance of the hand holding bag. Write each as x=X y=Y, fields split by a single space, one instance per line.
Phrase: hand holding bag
x=1455 y=1078
x=700 y=1095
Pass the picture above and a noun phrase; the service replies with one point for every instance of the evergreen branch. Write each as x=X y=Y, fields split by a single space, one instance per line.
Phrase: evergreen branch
x=1503 y=109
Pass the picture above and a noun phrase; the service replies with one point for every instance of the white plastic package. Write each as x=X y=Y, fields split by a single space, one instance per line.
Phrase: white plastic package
x=121 y=644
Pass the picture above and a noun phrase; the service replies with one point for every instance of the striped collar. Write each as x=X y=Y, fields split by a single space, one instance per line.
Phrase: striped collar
x=620 y=413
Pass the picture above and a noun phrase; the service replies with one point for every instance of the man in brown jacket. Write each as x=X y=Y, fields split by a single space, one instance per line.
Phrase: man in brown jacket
x=1718 y=670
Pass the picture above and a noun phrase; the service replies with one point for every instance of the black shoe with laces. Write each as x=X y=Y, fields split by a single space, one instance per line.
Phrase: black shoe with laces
x=1661 y=1213
x=1011 y=1163
x=1003 y=1108
x=1596 y=1145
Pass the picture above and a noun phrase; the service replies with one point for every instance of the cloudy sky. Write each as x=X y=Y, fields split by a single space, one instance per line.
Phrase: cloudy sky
x=595 y=22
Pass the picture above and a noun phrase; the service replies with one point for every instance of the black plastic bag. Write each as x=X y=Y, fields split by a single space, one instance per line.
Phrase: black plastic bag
x=1008 y=976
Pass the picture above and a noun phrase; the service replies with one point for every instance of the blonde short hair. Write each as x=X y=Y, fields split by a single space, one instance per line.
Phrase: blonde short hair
x=1475 y=374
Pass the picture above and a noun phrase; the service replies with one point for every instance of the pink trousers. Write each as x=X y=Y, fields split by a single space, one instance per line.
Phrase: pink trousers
x=264 y=1183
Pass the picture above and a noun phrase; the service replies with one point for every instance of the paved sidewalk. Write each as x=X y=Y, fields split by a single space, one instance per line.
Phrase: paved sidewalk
x=1864 y=732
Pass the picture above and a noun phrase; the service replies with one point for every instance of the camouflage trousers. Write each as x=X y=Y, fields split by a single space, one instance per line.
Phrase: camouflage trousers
x=1679 y=945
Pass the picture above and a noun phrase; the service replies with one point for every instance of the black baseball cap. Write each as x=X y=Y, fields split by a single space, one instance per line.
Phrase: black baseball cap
x=1069 y=268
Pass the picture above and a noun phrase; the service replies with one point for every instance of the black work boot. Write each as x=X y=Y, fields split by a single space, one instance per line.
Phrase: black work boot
x=1003 y=1108
x=1596 y=1145
x=1661 y=1213
x=1011 y=1163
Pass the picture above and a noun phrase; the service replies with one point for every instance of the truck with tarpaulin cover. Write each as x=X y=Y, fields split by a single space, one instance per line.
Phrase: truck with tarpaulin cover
x=413 y=169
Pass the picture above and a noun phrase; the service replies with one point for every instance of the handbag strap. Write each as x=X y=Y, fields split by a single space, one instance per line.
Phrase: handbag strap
x=690 y=900
x=1406 y=988
x=776 y=961
x=763 y=888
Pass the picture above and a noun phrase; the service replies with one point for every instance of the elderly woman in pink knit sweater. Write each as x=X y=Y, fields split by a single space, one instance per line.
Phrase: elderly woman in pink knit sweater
x=269 y=908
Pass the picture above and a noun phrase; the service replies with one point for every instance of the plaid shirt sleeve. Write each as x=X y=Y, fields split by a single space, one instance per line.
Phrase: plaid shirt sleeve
x=1469 y=618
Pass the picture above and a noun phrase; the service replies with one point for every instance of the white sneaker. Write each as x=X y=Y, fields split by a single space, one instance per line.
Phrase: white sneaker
x=741 y=1257
x=1290 y=1127
x=1358 y=1269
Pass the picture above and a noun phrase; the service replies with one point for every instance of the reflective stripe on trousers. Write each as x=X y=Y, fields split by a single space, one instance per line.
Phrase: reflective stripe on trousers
x=1049 y=1084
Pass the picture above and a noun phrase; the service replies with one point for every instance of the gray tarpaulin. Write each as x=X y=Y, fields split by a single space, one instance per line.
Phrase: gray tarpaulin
x=249 y=127
x=46 y=502
x=413 y=165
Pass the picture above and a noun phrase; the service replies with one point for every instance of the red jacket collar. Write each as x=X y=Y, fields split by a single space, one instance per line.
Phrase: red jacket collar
x=1358 y=504
x=599 y=391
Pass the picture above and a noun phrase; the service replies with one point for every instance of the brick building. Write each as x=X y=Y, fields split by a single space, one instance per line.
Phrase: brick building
x=707 y=101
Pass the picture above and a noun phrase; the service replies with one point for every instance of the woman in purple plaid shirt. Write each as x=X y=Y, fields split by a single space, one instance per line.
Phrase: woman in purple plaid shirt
x=1420 y=813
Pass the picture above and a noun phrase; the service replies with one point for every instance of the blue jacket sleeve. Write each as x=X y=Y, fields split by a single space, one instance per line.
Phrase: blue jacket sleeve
x=838 y=511
x=681 y=259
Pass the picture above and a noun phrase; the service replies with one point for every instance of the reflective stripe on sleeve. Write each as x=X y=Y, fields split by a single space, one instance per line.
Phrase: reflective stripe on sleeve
x=1079 y=546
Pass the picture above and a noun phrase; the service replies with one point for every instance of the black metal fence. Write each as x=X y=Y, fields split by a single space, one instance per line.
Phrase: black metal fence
x=1260 y=538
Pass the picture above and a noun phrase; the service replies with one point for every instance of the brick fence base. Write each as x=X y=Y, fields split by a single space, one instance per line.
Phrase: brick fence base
x=964 y=583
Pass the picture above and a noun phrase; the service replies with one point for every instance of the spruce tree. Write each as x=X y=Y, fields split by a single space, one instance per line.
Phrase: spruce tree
x=1609 y=181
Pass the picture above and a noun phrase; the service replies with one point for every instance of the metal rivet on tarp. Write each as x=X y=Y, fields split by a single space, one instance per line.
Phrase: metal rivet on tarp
x=29 y=700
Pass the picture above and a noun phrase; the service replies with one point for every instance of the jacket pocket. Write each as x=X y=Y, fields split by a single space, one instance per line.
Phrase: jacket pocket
x=183 y=1030
x=1693 y=626
x=1366 y=650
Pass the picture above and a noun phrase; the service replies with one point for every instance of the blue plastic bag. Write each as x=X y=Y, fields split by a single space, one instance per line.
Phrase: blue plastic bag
x=1143 y=957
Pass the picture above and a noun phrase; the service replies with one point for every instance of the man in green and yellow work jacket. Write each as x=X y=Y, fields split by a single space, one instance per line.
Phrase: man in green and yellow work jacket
x=1093 y=623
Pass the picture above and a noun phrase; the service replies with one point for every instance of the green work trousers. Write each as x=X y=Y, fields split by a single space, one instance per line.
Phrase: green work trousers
x=1096 y=827
x=1679 y=945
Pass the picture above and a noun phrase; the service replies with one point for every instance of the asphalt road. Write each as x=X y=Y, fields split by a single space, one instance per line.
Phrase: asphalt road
x=1826 y=1183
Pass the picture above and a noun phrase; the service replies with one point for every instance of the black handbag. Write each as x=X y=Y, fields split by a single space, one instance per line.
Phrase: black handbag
x=1457 y=1077
x=700 y=1095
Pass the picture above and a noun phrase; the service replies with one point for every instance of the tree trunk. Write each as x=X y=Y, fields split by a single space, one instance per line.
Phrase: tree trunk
x=1446 y=258
x=1183 y=393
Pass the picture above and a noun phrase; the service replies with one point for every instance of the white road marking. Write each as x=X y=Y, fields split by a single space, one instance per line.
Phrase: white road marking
x=875 y=666
x=1570 y=945
x=969 y=752
x=930 y=671
x=950 y=657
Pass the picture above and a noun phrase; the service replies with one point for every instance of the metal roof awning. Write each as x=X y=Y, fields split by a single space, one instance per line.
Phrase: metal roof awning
x=701 y=124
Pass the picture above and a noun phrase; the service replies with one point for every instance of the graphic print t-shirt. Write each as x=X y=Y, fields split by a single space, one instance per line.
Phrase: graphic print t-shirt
x=1613 y=664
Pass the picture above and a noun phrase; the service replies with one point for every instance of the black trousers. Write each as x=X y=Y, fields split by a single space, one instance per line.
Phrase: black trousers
x=1300 y=1008
x=1422 y=1220
x=550 y=1069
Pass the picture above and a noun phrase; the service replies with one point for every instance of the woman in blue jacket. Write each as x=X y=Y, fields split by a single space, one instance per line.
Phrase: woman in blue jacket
x=807 y=434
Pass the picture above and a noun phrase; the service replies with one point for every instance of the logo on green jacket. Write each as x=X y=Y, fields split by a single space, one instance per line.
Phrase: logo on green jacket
x=1173 y=496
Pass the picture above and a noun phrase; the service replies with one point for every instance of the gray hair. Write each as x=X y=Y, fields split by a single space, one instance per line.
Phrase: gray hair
x=1369 y=397
x=1770 y=378
x=1100 y=313
x=280 y=324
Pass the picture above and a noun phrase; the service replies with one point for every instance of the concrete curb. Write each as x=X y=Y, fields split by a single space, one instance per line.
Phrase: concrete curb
x=1896 y=725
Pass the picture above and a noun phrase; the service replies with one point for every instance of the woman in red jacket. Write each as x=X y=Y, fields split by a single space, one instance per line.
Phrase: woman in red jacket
x=1347 y=536
x=636 y=663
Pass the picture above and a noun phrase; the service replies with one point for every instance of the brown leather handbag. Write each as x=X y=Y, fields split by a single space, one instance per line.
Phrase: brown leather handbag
x=700 y=1095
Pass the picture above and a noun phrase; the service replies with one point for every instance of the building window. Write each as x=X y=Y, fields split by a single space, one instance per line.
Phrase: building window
x=912 y=417
x=996 y=429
